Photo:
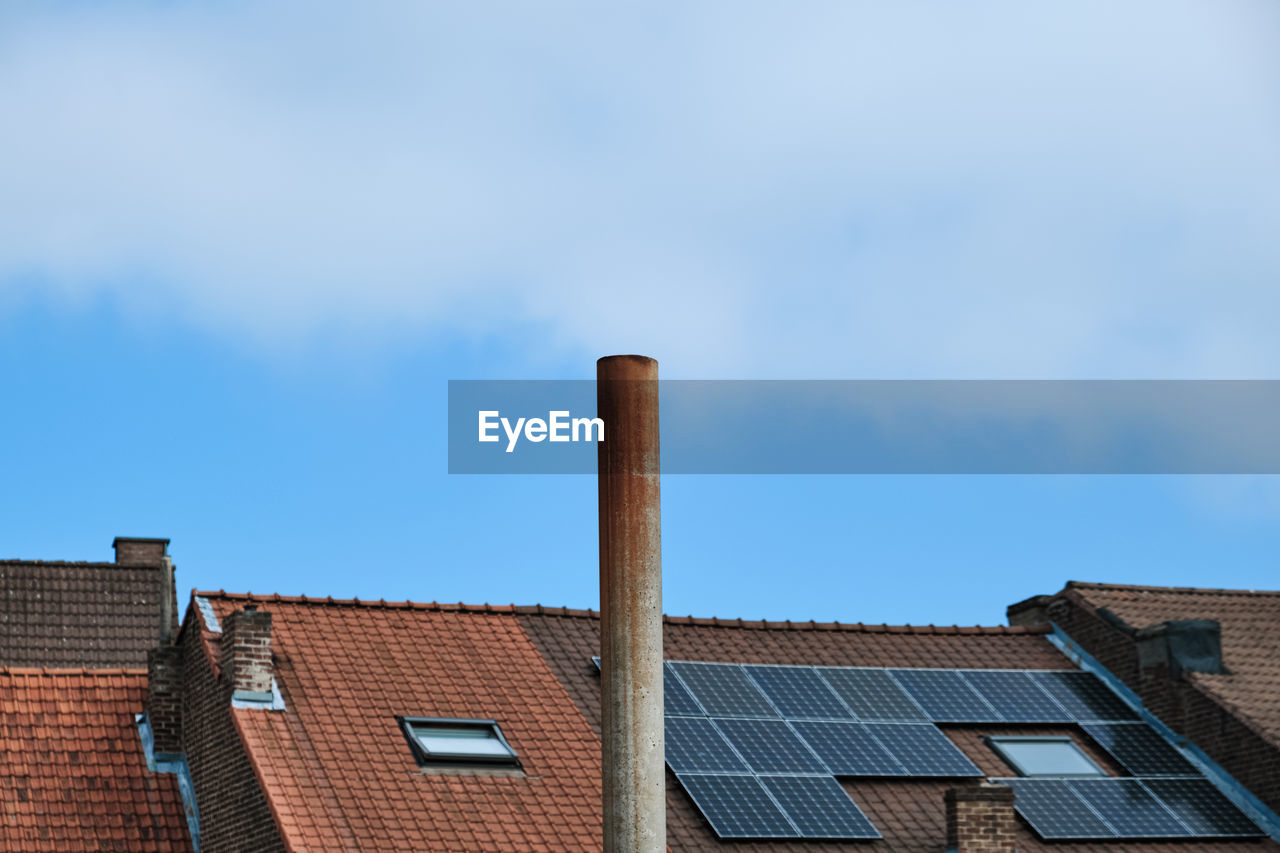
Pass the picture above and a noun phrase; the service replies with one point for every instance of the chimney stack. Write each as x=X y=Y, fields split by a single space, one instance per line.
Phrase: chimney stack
x=246 y=654
x=132 y=551
x=136 y=552
x=164 y=698
x=980 y=819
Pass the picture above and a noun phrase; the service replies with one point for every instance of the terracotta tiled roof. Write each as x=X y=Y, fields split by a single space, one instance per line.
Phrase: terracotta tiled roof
x=78 y=614
x=543 y=610
x=73 y=774
x=1250 y=639
x=338 y=772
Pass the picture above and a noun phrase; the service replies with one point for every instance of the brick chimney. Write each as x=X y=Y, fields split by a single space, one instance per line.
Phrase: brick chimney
x=153 y=553
x=164 y=698
x=246 y=653
x=980 y=819
x=132 y=551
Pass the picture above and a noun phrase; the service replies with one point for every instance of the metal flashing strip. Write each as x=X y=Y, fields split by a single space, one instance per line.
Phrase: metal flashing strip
x=176 y=763
x=273 y=701
x=1238 y=794
x=206 y=610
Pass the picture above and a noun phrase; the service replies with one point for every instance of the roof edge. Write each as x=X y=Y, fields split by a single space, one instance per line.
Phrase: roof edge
x=71 y=564
x=542 y=610
x=1189 y=590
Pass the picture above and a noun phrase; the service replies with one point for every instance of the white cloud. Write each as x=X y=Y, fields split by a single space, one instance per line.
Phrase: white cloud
x=844 y=189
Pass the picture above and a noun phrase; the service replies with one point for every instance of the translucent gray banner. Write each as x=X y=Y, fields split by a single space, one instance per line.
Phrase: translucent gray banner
x=883 y=427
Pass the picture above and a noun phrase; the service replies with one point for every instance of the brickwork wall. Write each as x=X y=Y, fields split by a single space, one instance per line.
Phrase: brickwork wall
x=980 y=819
x=234 y=815
x=164 y=697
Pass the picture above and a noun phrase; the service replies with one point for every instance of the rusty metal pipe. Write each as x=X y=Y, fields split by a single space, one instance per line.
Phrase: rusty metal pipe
x=635 y=810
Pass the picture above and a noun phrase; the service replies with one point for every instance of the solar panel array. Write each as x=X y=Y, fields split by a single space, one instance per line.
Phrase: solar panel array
x=1128 y=808
x=758 y=747
x=1140 y=750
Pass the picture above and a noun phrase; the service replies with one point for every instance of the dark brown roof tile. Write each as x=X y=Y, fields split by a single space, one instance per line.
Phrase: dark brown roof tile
x=78 y=614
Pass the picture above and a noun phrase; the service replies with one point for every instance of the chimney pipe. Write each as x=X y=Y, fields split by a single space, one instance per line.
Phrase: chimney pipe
x=634 y=783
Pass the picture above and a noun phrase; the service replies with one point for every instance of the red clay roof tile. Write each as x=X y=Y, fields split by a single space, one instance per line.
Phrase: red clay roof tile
x=338 y=773
x=75 y=778
x=335 y=766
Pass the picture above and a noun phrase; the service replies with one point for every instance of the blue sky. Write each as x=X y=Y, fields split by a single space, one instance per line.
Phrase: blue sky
x=244 y=247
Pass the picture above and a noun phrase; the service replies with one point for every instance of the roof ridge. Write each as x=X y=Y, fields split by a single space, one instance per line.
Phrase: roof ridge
x=1185 y=590
x=70 y=670
x=578 y=613
x=79 y=564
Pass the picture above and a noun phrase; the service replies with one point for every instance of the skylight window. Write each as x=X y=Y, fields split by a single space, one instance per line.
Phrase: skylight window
x=1045 y=756
x=449 y=741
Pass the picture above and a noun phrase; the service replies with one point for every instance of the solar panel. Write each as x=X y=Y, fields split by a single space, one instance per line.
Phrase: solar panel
x=872 y=694
x=675 y=699
x=1084 y=696
x=758 y=747
x=723 y=689
x=693 y=744
x=798 y=692
x=737 y=807
x=847 y=749
x=945 y=696
x=1202 y=807
x=1128 y=808
x=1015 y=696
x=819 y=807
x=922 y=749
x=1140 y=749
x=1054 y=811
x=770 y=746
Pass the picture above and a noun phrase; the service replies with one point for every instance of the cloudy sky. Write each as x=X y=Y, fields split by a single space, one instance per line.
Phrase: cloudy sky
x=242 y=247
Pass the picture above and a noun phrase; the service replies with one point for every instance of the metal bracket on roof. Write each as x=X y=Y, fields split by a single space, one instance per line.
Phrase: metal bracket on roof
x=206 y=610
x=176 y=763
x=273 y=701
x=1243 y=798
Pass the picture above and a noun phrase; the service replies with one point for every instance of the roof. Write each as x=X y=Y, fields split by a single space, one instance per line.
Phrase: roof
x=78 y=614
x=337 y=772
x=909 y=812
x=75 y=777
x=348 y=668
x=1250 y=623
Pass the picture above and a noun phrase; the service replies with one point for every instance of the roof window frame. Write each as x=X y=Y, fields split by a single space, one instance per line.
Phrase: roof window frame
x=427 y=758
x=998 y=743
